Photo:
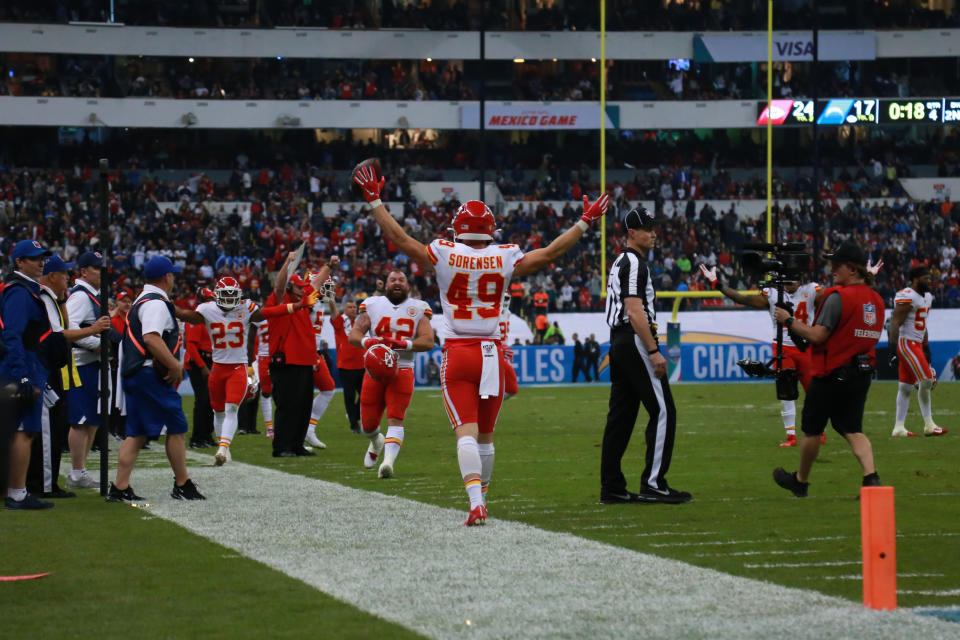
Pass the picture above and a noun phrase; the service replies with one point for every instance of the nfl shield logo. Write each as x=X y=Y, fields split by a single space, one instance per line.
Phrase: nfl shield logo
x=869 y=314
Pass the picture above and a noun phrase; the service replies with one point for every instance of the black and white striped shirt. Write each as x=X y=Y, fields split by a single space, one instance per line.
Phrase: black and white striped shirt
x=630 y=278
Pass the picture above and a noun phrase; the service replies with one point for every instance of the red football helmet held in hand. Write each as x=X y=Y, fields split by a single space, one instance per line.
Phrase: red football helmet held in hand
x=381 y=362
x=473 y=221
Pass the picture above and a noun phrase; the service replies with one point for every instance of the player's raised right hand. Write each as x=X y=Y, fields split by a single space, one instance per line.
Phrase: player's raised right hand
x=370 y=184
x=307 y=302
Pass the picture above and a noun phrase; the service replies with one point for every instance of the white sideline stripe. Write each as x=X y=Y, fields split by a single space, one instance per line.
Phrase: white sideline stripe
x=826 y=563
x=415 y=565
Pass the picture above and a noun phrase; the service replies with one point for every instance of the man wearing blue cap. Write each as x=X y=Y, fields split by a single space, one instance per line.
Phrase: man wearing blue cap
x=150 y=372
x=83 y=310
x=44 y=471
x=25 y=327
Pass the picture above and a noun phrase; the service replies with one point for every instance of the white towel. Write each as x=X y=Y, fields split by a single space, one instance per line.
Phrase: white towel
x=490 y=374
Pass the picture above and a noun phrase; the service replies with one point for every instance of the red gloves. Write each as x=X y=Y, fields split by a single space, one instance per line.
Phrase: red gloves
x=398 y=345
x=595 y=211
x=369 y=342
x=366 y=178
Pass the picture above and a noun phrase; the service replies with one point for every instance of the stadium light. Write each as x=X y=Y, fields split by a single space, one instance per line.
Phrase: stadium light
x=519 y=60
x=190 y=60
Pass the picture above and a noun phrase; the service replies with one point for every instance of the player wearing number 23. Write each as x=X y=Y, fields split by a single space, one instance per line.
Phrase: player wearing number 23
x=472 y=273
x=403 y=324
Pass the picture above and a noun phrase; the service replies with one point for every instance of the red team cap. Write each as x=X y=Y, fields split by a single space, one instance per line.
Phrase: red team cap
x=473 y=221
x=381 y=363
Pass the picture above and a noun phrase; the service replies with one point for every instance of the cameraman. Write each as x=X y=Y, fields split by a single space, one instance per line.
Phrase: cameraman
x=846 y=329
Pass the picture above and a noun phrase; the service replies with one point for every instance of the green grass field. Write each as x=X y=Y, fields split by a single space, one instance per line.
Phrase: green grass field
x=117 y=570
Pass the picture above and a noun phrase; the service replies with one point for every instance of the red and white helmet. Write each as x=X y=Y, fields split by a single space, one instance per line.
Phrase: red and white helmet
x=473 y=221
x=227 y=293
x=381 y=363
x=253 y=385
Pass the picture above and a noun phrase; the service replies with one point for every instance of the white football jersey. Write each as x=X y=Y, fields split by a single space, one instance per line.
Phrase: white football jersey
x=505 y=316
x=397 y=321
x=263 y=338
x=915 y=326
x=804 y=306
x=472 y=282
x=229 y=330
x=316 y=317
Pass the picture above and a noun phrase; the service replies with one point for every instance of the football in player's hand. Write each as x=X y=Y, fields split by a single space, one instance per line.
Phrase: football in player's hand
x=369 y=162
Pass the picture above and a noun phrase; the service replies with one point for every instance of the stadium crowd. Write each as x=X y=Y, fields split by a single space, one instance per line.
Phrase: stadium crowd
x=625 y=15
x=328 y=79
x=61 y=210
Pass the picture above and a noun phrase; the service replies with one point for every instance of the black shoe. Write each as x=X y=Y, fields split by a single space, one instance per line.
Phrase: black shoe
x=94 y=449
x=187 y=491
x=305 y=452
x=664 y=496
x=356 y=428
x=58 y=493
x=285 y=454
x=146 y=446
x=789 y=482
x=618 y=497
x=29 y=503
x=250 y=432
x=127 y=495
x=872 y=480
x=210 y=443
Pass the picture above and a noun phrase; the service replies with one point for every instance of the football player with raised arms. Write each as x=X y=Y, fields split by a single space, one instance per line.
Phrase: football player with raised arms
x=473 y=272
x=401 y=323
x=322 y=380
x=907 y=334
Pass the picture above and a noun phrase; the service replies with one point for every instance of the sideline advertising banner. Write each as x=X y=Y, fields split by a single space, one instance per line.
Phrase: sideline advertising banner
x=794 y=46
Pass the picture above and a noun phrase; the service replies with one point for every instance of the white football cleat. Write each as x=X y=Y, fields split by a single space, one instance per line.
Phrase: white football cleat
x=373 y=451
x=900 y=432
x=386 y=469
x=934 y=430
x=314 y=442
x=222 y=457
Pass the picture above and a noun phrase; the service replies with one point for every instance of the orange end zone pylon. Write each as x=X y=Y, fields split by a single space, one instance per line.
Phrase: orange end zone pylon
x=879 y=536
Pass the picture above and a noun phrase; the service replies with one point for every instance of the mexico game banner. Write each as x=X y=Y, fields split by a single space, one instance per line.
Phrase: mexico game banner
x=539 y=116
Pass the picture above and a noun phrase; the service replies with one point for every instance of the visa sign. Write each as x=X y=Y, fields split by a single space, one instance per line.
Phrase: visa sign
x=794 y=49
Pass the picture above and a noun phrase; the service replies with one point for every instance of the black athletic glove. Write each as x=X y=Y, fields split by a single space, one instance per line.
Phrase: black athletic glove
x=893 y=360
x=27 y=393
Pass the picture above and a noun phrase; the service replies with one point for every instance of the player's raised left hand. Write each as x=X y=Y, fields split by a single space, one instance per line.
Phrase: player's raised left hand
x=595 y=211
x=874 y=268
x=370 y=184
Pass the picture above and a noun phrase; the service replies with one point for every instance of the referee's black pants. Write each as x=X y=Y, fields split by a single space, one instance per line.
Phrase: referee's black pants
x=202 y=412
x=633 y=383
x=352 y=381
x=293 y=393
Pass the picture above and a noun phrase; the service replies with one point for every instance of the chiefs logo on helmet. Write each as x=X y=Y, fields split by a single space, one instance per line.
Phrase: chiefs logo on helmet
x=227 y=293
x=473 y=221
x=381 y=362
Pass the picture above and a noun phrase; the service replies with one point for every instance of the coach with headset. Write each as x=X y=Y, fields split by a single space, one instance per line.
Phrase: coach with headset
x=638 y=373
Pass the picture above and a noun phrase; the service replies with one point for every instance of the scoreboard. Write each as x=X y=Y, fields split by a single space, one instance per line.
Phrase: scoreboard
x=860 y=111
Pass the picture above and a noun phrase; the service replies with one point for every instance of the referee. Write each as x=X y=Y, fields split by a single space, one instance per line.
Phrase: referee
x=637 y=373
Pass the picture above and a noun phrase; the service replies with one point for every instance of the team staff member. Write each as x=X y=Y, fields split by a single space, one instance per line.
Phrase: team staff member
x=349 y=360
x=197 y=363
x=83 y=309
x=848 y=324
x=293 y=354
x=517 y=292
x=44 y=471
x=25 y=324
x=638 y=373
x=150 y=373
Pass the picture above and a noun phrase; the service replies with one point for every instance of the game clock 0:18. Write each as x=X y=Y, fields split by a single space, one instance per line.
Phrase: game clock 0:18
x=911 y=110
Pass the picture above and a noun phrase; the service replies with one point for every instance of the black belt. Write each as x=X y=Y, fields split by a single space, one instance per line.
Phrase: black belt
x=622 y=329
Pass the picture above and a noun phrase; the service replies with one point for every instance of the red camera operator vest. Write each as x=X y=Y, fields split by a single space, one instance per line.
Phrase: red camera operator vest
x=857 y=332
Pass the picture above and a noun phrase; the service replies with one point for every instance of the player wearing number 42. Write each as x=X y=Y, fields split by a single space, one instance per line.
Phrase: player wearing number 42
x=472 y=273
x=402 y=324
